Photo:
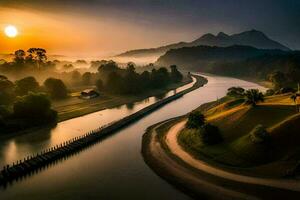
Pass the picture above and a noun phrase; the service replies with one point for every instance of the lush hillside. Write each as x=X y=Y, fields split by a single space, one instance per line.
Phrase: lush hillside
x=248 y=38
x=243 y=145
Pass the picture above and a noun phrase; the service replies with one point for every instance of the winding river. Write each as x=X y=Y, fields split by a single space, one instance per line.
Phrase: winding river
x=113 y=168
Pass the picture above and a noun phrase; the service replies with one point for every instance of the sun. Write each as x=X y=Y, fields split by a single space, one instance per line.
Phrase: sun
x=11 y=31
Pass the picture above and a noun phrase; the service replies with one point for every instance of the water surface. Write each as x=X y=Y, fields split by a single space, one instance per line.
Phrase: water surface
x=113 y=168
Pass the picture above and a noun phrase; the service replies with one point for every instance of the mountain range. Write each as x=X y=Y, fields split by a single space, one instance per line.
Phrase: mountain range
x=252 y=38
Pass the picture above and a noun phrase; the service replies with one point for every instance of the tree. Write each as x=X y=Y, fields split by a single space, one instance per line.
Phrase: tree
x=56 y=88
x=81 y=62
x=20 y=56
x=176 y=76
x=145 y=80
x=86 y=78
x=114 y=83
x=131 y=80
x=253 y=96
x=76 y=76
x=108 y=67
x=34 y=107
x=269 y=92
x=6 y=90
x=294 y=97
x=236 y=92
x=210 y=134
x=195 y=120
x=68 y=67
x=130 y=67
x=159 y=78
x=96 y=64
x=25 y=85
x=99 y=85
x=38 y=54
x=278 y=79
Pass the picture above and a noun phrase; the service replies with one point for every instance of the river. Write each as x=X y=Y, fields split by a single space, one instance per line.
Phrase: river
x=113 y=168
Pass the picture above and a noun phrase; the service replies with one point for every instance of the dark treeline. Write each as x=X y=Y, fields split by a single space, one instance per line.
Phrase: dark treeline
x=280 y=67
x=128 y=81
x=33 y=60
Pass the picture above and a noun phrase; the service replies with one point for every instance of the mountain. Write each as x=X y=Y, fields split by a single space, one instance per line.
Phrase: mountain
x=237 y=60
x=252 y=38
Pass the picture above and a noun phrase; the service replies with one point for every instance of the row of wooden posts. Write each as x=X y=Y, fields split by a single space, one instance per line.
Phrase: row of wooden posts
x=47 y=156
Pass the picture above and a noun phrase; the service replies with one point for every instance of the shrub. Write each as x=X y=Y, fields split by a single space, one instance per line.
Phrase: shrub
x=195 y=120
x=270 y=92
x=286 y=90
x=210 y=134
x=236 y=92
x=253 y=96
x=259 y=134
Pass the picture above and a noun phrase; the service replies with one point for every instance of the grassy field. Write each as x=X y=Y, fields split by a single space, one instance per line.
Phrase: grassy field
x=75 y=107
x=236 y=120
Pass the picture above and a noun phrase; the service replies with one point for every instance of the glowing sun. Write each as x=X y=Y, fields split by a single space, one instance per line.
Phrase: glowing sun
x=11 y=31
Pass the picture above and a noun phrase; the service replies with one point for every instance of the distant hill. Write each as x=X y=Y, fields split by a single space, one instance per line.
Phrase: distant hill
x=239 y=61
x=204 y=57
x=252 y=38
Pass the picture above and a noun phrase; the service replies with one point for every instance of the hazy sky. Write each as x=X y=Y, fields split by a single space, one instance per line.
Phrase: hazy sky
x=101 y=27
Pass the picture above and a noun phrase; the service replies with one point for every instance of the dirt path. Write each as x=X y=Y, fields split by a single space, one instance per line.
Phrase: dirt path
x=199 y=186
x=176 y=149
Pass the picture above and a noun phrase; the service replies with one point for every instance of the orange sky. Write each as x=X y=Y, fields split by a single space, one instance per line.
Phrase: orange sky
x=71 y=34
x=106 y=27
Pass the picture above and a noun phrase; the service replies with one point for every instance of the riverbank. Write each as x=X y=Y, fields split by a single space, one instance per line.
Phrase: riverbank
x=37 y=161
x=263 y=83
x=200 y=182
x=76 y=107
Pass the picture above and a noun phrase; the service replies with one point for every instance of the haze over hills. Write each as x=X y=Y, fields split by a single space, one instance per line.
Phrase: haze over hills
x=252 y=38
x=236 y=60
x=205 y=56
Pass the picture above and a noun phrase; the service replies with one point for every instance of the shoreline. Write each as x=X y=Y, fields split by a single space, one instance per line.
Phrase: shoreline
x=266 y=84
x=37 y=161
x=181 y=178
x=113 y=104
x=50 y=126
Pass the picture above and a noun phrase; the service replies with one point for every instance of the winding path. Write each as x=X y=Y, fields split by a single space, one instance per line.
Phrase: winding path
x=176 y=149
x=203 y=179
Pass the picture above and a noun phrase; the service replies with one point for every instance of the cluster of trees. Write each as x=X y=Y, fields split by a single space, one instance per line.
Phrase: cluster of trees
x=209 y=133
x=251 y=96
x=32 y=109
x=24 y=103
x=55 y=88
x=128 y=81
x=285 y=82
x=34 y=59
